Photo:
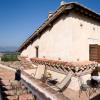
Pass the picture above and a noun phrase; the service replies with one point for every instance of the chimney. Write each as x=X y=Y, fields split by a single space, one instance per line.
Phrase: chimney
x=50 y=14
x=62 y=3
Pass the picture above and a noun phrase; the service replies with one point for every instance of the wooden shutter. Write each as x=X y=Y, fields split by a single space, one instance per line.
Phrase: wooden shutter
x=99 y=53
x=94 y=52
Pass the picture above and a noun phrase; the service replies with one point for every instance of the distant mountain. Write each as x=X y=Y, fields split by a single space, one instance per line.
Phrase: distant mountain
x=8 y=49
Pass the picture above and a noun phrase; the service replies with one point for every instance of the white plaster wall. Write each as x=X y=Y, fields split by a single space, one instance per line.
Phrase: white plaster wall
x=76 y=82
x=56 y=75
x=57 y=42
x=82 y=36
x=86 y=77
x=39 y=73
x=74 y=85
x=66 y=39
x=24 y=52
x=30 y=50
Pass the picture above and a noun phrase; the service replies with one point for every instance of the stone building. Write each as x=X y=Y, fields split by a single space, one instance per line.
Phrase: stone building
x=71 y=33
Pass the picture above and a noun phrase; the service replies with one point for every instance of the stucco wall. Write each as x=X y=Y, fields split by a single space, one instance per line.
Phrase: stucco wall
x=55 y=75
x=84 y=32
x=55 y=43
x=30 y=50
x=68 y=39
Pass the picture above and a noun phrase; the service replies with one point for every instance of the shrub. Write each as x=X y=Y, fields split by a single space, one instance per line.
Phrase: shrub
x=9 y=57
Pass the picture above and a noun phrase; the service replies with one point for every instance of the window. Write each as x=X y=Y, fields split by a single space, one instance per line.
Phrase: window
x=37 y=51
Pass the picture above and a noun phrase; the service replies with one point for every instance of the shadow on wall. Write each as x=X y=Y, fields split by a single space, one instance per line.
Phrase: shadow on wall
x=97 y=97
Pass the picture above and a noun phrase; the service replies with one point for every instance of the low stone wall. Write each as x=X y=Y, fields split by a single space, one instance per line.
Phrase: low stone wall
x=42 y=91
x=54 y=75
x=76 y=82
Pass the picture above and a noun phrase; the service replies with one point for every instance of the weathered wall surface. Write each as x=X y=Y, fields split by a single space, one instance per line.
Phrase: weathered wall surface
x=68 y=39
x=30 y=50
x=84 y=32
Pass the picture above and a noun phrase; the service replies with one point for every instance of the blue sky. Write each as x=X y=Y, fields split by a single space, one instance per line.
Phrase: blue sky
x=20 y=18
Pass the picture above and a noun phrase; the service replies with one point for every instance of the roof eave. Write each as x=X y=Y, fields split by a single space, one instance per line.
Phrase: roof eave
x=48 y=21
x=61 y=9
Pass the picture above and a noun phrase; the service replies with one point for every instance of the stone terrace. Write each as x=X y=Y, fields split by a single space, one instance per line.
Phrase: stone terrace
x=40 y=91
x=63 y=67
